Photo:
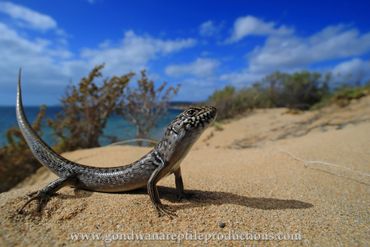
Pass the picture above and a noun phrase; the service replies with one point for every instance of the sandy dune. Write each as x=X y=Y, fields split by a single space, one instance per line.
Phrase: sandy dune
x=270 y=174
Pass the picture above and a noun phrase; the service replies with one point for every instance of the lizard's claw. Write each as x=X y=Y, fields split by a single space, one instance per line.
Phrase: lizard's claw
x=165 y=210
x=41 y=198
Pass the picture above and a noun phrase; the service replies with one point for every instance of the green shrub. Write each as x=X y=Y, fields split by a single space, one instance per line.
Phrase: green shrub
x=299 y=90
x=223 y=100
x=344 y=95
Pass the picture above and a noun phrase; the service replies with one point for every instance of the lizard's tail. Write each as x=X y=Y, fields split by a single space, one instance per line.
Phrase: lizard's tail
x=43 y=153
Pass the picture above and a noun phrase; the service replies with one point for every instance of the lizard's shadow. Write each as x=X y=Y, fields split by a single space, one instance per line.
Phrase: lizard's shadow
x=201 y=198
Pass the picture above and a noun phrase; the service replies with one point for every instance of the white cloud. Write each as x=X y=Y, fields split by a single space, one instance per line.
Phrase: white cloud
x=250 y=25
x=133 y=51
x=201 y=67
x=352 y=71
x=17 y=51
x=48 y=68
x=293 y=52
x=209 y=28
x=28 y=17
x=43 y=71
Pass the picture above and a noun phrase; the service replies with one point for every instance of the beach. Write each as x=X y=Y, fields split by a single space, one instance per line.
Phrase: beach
x=271 y=177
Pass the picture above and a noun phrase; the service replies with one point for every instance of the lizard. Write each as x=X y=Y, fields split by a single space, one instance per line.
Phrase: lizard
x=164 y=159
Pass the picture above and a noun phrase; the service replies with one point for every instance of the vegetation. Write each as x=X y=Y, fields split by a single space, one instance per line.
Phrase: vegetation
x=343 y=95
x=298 y=91
x=144 y=105
x=16 y=159
x=86 y=109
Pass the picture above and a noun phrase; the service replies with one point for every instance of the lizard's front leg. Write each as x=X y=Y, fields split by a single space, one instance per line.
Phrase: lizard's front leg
x=42 y=196
x=180 y=186
x=153 y=192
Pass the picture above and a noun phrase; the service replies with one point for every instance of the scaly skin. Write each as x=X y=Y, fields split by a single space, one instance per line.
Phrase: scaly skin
x=163 y=160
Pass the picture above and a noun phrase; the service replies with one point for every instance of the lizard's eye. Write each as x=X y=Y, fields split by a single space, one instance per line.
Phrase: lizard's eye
x=190 y=111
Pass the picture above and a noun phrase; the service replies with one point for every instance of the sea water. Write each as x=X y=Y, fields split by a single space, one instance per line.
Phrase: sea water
x=116 y=126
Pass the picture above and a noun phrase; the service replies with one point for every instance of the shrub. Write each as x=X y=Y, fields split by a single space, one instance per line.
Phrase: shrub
x=299 y=90
x=86 y=109
x=344 y=95
x=144 y=105
x=223 y=100
x=16 y=160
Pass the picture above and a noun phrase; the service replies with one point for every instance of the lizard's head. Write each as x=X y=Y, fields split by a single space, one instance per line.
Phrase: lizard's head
x=184 y=130
x=193 y=119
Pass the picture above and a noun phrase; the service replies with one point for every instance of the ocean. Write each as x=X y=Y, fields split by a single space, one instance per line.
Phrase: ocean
x=116 y=125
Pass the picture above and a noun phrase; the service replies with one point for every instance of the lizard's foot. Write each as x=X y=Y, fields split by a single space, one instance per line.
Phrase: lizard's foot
x=184 y=195
x=165 y=210
x=40 y=196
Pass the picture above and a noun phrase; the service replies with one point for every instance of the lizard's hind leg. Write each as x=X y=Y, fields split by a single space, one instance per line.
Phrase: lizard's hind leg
x=42 y=196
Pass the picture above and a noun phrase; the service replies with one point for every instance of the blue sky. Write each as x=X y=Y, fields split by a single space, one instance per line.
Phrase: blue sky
x=202 y=45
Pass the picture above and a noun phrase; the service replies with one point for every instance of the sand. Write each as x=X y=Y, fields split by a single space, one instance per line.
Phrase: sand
x=268 y=175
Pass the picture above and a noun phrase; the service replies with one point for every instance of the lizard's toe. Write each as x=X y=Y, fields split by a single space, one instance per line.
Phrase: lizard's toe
x=164 y=210
x=38 y=196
